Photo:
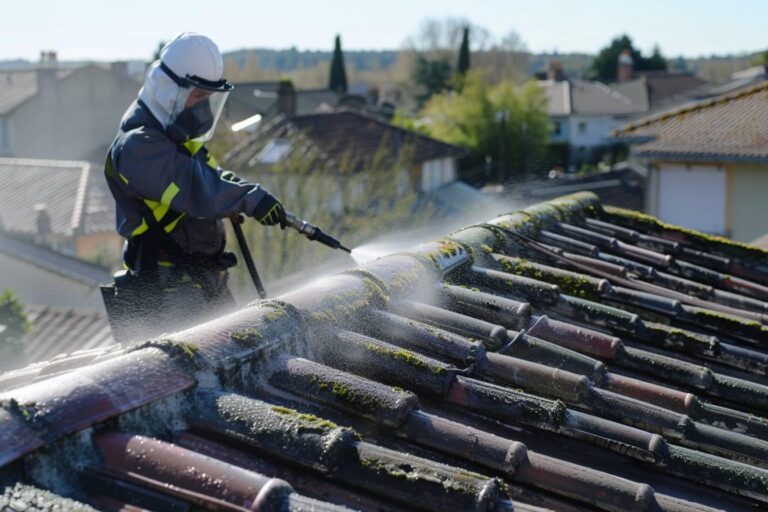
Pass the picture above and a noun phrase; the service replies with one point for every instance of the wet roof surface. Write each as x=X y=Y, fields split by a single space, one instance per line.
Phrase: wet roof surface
x=601 y=361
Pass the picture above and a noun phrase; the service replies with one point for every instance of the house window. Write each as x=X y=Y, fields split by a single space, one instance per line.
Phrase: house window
x=558 y=128
x=582 y=127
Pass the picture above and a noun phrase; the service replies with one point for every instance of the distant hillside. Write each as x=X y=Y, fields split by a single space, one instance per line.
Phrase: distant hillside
x=310 y=66
x=294 y=60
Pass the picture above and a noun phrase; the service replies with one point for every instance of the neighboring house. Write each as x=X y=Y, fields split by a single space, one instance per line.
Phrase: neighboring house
x=708 y=163
x=354 y=137
x=539 y=360
x=70 y=114
x=584 y=113
x=42 y=276
x=63 y=205
x=269 y=99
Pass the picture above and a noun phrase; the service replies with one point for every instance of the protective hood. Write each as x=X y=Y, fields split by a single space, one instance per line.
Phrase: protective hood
x=184 y=90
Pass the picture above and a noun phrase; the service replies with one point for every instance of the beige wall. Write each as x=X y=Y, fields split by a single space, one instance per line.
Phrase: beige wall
x=749 y=212
x=99 y=247
x=73 y=118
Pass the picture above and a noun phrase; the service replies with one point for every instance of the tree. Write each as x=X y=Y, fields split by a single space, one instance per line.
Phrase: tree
x=430 y=77
x=13 y=324
x=463 y=65
x=338 y=79
x=506 y=119
x=605 y=65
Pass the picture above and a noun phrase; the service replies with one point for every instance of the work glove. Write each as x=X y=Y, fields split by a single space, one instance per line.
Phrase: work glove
x=269 y=211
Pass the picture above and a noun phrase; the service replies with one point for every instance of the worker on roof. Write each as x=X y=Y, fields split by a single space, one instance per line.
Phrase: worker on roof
x=172 y=196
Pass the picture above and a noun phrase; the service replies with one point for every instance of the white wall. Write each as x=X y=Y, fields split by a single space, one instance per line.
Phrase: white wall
x=597 y=130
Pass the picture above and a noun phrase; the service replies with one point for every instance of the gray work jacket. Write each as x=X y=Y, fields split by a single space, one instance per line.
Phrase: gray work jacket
x=161 y=185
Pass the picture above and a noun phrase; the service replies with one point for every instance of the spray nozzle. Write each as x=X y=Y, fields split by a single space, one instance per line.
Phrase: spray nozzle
x=312 y=232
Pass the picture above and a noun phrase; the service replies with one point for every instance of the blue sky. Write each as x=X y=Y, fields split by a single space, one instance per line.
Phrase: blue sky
x=112 y=30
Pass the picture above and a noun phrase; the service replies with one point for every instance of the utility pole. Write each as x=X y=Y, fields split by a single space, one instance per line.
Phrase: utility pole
x=526 y=148
x=502 y=116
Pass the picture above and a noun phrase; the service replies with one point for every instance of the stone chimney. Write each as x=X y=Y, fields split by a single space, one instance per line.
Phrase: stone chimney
x=46 y=73
x=555 y=71
x=286 y=98
x=625 y=67
x=43 y=222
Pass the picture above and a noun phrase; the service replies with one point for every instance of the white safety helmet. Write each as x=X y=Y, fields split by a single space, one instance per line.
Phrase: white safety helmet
x=185 y=89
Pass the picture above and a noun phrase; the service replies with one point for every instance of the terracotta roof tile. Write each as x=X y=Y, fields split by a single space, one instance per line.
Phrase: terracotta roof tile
x=603 y=360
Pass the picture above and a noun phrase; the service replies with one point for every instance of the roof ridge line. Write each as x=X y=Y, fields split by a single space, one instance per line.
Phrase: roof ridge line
x=82 y=191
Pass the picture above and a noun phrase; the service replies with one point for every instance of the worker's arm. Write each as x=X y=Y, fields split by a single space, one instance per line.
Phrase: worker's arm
x=157 y=170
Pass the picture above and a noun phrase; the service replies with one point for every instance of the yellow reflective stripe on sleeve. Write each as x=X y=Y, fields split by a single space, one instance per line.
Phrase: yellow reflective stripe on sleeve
x=212 y=161
x=169 y=194
x=160 y=208
x=172 y=225
x=125 y=180
x=141 y=229
x=165 y=264
x=193 y=146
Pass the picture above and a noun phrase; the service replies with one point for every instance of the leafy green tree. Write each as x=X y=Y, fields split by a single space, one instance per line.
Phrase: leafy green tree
x=507 y=123
x=605 y=65
x=13 y=323
x=338 y=79
x=463 y=65
x=430 y=77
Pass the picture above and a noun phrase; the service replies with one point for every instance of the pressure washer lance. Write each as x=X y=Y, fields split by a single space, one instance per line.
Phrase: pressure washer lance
x=314 y=233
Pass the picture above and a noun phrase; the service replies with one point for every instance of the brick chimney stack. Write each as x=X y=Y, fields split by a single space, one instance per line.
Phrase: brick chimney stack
x=555 y=71
x=626 y=67
x=286 y=98
x=46 y=73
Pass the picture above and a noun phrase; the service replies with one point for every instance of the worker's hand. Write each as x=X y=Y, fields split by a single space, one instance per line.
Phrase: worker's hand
x=269 y=211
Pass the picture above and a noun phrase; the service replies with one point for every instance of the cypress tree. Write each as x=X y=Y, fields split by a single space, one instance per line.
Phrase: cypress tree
x=463 y=65
x=338 y=80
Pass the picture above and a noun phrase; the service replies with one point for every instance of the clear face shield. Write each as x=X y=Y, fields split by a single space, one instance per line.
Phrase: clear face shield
x=197 y=108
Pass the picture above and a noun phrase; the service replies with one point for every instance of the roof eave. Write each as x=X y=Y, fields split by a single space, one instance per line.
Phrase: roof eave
x=702 y=157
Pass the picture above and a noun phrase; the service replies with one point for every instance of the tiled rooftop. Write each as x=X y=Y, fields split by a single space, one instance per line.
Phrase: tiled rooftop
x=654 y=89
x=344 y=134
x=18 y=86
x=733 y=127
x=567 y=357
x=573 y=96
x=73 y=192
